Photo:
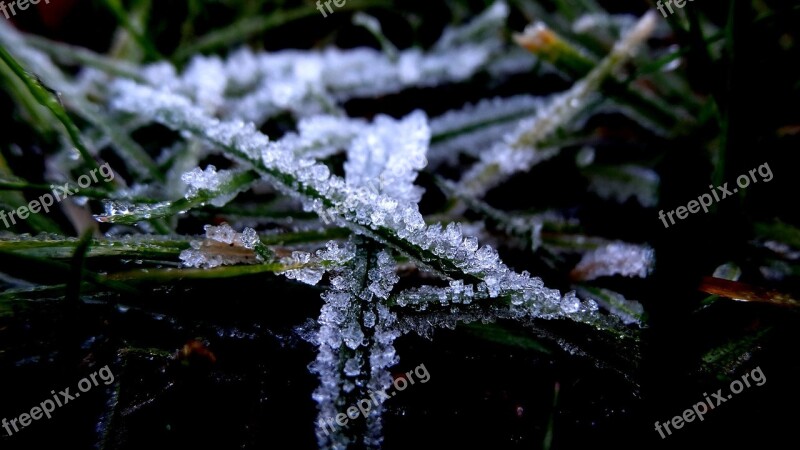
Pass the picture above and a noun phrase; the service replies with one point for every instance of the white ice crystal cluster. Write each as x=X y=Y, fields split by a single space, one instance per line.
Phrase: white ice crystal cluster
x=315 y=266
x=209 y=180
x=222 y=246
x=629 y=311
x=381 y=162
x=358 y=329
x=616 y=258
x=627 y=181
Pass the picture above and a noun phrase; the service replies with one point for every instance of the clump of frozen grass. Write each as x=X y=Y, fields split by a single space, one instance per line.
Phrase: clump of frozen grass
x=389 y=216
x=223 y=102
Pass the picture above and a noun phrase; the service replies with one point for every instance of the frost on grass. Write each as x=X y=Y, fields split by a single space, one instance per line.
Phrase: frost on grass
x=308 y=83
x=476 y=127
x=356 y=349
x=625 y=182
x=615 y=258
x=377 y=197
x=222 y=246
x=384 y=164
x=520 y=150
x=629 y=311
x=397 y=223
x=209 y=180
x=314 y=266
x=219 y=104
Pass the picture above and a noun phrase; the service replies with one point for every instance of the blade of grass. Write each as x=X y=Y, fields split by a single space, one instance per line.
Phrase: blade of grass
x=46 y=271
x=79 y=56
x=51 y=102
x=77 y=268
x=15 y=200
x=124 y=19
x=161 y=210
x=249 y=27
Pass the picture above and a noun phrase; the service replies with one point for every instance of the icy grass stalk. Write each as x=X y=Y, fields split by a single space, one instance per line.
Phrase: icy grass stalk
x=615 y=258
x=372 y=25
x=621 y=183
x=659 y=115
x=520 y=150
x=483 y=28
x=629 y=311
x=476 y=127
x=314 y=266
x=224 y=246
x=70 y=54
x=217 y=192
x=540 y=40
x=56 y=246
x=462 y=302
x=483 y=114
x=356 y=349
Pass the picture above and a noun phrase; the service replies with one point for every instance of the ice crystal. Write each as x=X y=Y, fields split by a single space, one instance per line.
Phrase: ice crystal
x=360 y=331
x=628 y=311
x=314 y=266
x=570 y=303
x=222 y=246
x=209 y=180
x=615 y=258
x=625 y=182
x=377 y=159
